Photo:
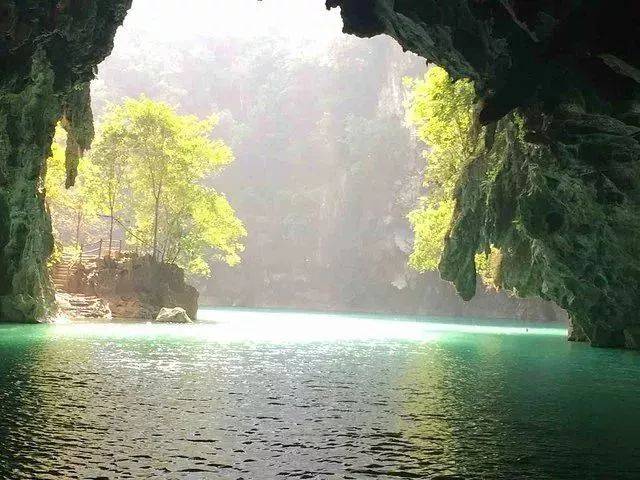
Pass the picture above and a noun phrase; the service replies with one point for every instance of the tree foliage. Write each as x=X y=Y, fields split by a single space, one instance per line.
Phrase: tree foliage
x=110 y=192
x=442 y=113
x=72 y=209
x=146 y=172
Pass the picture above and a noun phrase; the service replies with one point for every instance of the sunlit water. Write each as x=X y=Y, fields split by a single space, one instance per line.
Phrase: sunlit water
x=266 y=395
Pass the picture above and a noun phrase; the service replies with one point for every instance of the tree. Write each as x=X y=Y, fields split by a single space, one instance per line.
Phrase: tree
x=165 y=157
x=72 y=208
x=209 y=224
x=442 y=113
x=109 y=190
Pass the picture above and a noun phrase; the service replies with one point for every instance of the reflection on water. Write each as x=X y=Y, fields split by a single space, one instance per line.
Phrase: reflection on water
x=288 y=395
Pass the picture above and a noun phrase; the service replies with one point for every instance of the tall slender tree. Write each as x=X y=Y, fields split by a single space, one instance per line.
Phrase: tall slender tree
x=74 y=208
x=110 y=186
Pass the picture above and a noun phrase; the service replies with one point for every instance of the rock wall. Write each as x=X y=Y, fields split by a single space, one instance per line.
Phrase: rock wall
x=48 y=54
x=135 y=287
x=557 y=187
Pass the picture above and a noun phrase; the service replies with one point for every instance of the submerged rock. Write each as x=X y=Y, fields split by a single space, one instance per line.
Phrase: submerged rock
x=172 y=315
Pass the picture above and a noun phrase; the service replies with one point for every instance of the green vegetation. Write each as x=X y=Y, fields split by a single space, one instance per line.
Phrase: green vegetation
x=145 y=174
x=442 y=113
x=522 y=215
x=74 y=209
x=325 y=169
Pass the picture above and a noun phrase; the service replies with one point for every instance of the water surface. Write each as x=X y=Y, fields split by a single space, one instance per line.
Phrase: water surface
x=266 y=395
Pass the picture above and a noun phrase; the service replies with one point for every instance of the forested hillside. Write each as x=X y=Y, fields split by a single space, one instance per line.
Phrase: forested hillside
x=326 y=169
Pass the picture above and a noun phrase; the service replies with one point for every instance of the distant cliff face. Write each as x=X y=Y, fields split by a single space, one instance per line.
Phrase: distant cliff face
x=48 y=53
x=563 y=202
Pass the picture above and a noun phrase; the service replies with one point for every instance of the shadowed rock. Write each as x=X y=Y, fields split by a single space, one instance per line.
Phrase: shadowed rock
x=48 y=53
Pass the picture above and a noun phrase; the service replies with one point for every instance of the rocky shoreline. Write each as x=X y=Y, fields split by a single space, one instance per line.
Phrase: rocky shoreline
x=127 y=287
x=76 y=307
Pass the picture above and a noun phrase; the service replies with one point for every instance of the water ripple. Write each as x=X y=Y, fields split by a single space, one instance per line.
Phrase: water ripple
x=465 y=406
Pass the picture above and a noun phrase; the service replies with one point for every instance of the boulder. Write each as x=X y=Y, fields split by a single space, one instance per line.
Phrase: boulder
x=173 y=315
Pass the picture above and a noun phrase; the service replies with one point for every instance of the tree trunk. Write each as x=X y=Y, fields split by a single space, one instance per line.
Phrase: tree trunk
x=155 y=229
x=78 y=224
x=110 y=233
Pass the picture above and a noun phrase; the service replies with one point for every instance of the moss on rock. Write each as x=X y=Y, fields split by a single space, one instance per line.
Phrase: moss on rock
x=48 y=54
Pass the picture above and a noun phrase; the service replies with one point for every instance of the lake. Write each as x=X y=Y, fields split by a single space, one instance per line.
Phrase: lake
x=266 y=395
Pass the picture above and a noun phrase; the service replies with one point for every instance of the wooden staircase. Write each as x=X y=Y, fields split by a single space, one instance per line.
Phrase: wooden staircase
x=83 y=307
x=62 y=272
x=76 y=305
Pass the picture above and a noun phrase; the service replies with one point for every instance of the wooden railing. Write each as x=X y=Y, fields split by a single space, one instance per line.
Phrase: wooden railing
x=69 y=261
x=100 y=249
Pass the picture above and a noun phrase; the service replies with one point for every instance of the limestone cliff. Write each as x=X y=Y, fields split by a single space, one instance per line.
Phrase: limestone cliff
x=557 y=187
x=48 y=54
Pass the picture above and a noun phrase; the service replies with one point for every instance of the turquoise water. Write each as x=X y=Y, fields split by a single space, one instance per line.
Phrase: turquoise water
x=265 y=395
